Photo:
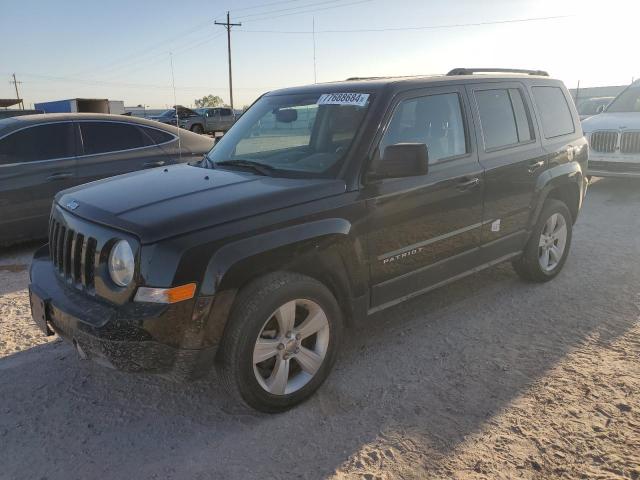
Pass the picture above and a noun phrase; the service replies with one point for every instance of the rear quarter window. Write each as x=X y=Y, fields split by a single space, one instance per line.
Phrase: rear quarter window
x=555 y=114
x=158 y=136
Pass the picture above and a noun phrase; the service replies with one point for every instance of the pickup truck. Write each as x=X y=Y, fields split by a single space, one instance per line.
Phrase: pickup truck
x=350 y=198
x=202 y=120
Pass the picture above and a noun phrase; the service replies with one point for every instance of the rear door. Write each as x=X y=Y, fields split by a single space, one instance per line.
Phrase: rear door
x=35 y=163
x=560 y=127
x=513 y=158
x=425 y=229
x=112 y=148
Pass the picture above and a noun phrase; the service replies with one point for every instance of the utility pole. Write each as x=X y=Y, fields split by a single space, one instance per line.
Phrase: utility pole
x=15 y=84
x=228 y=26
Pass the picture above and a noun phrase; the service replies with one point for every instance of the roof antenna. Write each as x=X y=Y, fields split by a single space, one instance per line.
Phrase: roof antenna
x=175 y=107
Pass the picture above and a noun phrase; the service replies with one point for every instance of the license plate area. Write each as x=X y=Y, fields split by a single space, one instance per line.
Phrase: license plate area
x=39 y=312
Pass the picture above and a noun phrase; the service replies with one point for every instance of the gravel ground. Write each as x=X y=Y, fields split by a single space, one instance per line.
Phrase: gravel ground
x=487 y=378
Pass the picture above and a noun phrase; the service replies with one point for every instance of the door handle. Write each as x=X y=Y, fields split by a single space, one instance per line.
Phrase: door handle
x=157 y=163
x=536 y=165
x=59 y=176
x=468 y=184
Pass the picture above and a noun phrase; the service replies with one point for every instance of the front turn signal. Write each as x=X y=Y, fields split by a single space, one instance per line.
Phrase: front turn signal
x=166 y=295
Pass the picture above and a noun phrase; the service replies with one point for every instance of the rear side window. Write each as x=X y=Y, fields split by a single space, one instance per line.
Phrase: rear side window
x=41 y=142
x=104 y=137
x=435 y=120
x=554 y=111
x=504 y=118
x=158 y=136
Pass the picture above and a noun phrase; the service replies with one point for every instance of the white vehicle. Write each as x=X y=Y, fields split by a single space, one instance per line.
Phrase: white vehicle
x=614 y=136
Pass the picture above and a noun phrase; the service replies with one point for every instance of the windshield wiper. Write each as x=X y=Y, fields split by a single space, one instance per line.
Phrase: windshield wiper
x=261 y=168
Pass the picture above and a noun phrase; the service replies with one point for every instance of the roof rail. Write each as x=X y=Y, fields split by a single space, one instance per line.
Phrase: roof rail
x=471 y=71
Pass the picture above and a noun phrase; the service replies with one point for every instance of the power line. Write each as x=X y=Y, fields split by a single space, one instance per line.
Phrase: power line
x=426 y=27
x=131 y=85
x=314 y=4
x=127 y=59
x=269 y=17
x=253 y=7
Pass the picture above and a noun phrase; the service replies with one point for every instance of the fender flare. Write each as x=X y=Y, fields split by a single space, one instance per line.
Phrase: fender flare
x=557 y=176
x=231 y=254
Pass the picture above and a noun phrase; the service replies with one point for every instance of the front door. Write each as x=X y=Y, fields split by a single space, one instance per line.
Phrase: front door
x=35 y=163
x=426 y=229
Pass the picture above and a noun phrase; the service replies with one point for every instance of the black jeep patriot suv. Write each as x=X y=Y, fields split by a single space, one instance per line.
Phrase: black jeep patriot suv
x=321 y=205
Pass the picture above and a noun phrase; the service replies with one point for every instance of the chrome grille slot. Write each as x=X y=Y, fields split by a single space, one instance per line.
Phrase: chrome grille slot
x=76 y=255
x=630 y=142
x=73 y=255
x=604 y=141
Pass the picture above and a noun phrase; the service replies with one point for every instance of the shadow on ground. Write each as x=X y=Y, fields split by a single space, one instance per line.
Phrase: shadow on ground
x=433 y=370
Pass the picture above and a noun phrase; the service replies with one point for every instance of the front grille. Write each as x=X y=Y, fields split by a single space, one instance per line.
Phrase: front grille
x=630 y=142
x=73 y=255
x=604 y=141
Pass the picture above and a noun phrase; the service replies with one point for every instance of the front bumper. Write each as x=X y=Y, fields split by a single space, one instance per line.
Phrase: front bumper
x=137 y=337
x=613 y=168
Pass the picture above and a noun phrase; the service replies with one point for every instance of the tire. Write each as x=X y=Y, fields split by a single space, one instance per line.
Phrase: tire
x=261 y=312
x=197 y=128
x=530 y=266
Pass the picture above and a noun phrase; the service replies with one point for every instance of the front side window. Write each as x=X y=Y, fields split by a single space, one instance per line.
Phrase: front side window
x=554 y=111
x=301 y=134
x=41 y=142
x=627 y=101
x=435 y=120
x=104 y=137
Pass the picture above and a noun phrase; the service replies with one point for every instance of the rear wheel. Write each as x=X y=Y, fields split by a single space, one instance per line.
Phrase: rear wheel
x=281 y=341
x=197 y=128
x=548 y=247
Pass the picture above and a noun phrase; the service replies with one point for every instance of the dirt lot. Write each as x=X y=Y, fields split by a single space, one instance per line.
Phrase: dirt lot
x=487 y=378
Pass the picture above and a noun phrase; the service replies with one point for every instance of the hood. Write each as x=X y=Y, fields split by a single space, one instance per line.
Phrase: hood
x=165 y=202
x=185 y=112
x=612 y=121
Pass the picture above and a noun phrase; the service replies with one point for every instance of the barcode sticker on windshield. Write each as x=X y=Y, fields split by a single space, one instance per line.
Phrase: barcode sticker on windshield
x=357 y=99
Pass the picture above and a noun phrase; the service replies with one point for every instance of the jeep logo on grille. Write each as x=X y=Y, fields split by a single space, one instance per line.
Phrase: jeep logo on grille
x=72 y=205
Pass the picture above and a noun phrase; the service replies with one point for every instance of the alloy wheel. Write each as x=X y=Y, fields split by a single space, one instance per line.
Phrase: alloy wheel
x=553 y=240
x=291 y=347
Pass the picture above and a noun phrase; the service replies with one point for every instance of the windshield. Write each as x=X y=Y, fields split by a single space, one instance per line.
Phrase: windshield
x=168 y=113
x=590 y=107
x=627 y=101
x=304 y=134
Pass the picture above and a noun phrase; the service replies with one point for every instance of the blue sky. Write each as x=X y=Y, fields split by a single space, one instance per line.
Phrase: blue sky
x=120 y=49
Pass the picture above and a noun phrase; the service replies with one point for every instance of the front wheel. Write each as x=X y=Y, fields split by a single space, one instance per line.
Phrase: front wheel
x=197 y=128
x=280 y=342
x=548 y=247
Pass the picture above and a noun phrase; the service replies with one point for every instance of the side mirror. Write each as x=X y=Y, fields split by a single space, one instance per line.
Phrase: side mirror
x=403 y=160
x=600 y=109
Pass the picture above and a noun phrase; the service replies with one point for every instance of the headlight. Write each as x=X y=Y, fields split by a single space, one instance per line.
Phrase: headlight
x=121 y=263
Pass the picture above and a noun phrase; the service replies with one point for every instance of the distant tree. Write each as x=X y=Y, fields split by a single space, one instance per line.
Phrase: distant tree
x=208 y=101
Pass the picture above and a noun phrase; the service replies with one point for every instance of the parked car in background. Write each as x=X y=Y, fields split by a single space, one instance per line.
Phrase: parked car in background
x=614 y=136
x=200 y=120
x=217 y=119
x=593 y=106
x=351 y=197
x=43 y=154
